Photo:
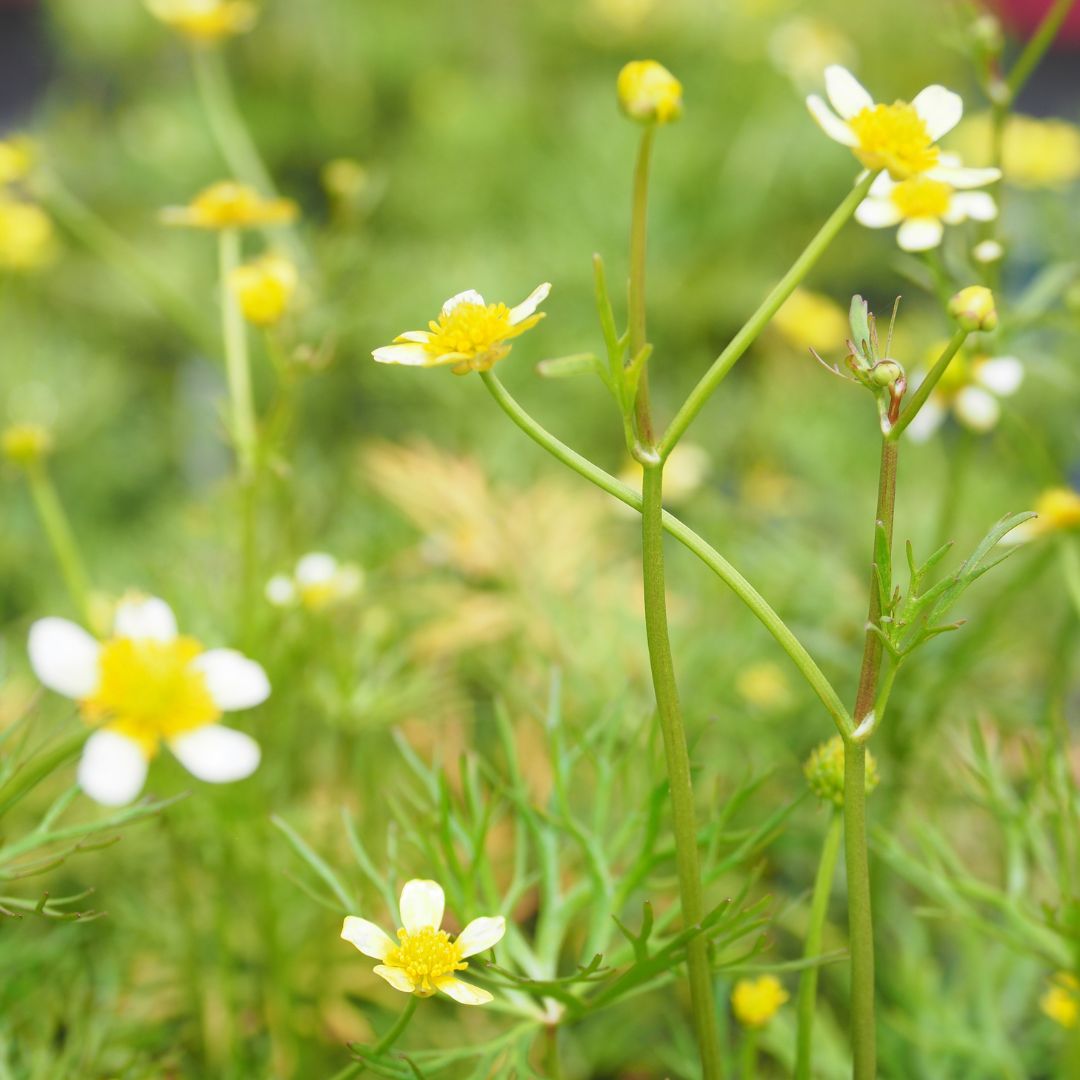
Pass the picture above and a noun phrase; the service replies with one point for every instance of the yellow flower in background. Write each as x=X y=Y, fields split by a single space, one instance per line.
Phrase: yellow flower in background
x=424 y=959
x=824 y=771
x=1058 y=509
x=974 y=308
x=756 y=1001
x=802 y=47
x=810 y=320
x=25 y=444
x=27 y=240
x=900 y=138
x=469 y=333
x=649 y=93
x=344 y=178
x=17 y=157
x=1034 y=153
x=264 y=287
x=205 y=20
x=318 y=582
x=146 y=685
x=764 y=685
x=229 y=204
x=685 y=472
x=1061 y=1002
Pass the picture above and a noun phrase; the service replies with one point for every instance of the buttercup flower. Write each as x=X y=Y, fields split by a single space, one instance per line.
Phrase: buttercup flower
x=230 y=205
x=824 y=771
x=146 y=685
x=649 y=93
x=264 y=288
x=318 y=581
x=205 y=20
x=424 y=959
x=922 y=207
x=25 y=444
x=756 y=1001
x=26 y=235
x=469 y=333
x=970 y=389
x=1061 y=1002
x=1058 y=509
x=900 y=137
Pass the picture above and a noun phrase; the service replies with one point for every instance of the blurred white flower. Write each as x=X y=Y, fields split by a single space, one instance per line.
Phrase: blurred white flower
x=147 y=685
x=970 y=389
x=987 y=252
x=318 y=582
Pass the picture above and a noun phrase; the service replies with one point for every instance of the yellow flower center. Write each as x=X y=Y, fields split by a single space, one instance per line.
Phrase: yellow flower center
x=149 y=691
x=476 y=333
x=426 y=956
x=1058 y=508
x=893 y=137
x=921 y=198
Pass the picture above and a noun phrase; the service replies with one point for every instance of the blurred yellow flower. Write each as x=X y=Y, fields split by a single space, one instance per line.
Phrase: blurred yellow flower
x=319 y=581
x=756 y=1001
x=810 y=320
x=264 y=287
x=685 y=472
x=205 y=20
x=1058 y=509
x=900 y=137
x=344 y=178
x=974 y=308
x=230 y=205
x=17 y=156
x=424 y=960
x=24 y=444
x=1034 y=153
x=469 y=333
x=1061 y=1002
x=649 y=93
x=802 y=46
x=824 y=771
x=764 y=685
x=27 y=240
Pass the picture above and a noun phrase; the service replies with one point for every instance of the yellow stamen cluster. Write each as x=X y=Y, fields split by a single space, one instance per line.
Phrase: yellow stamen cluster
x=264 y=288
x=477 y=333
x=205 y=21
x=25 y=444
x=649 y=93
x=756 y=1001
x=824 y=771
x=149 y=691
x=231 y=205
x=1061 y=1002
x=893 y=137
x=426 y=956
x=921 y=197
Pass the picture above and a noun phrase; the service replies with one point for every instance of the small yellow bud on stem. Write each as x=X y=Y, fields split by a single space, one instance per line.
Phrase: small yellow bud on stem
x=649 y=93
x=973 y=308
x=26 y=444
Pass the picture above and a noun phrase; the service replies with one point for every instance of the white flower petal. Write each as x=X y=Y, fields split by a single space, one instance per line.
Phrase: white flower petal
x=395 y=977
x=977 y=205
x=316 y=568
x=959 y=177
x=830 y=123
x=370 y=939
x=462 y=992
x=234 y=681
x=216 y=754
x=877 y=213
x=927 y=420
x=939 y=108
x=64 y=657
x=144 y=618
x=469 y=296
x=977 y=408
x=883 y=185
x=530 y=303
x=481 y=934
x=422 y=904
x=418 y=336
x=112 y=770
x=845 y=93
x=280 y=591
x=409 y=355
x=919 y=234
x=1000 y=374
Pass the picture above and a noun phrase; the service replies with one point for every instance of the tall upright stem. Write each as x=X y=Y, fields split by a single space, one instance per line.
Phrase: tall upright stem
x=638 y=235
x=860 y=919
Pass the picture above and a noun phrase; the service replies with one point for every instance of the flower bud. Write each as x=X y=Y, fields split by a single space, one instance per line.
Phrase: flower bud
x=824 y=771
x=973 y=308
x=649 y=93
x=886 y=373
x=26 y=444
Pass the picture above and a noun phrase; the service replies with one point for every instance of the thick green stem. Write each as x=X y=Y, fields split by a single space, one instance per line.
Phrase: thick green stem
x=677 y=757
x=61 y=539
x=638 y=236
x=385 y=1043
x=806 y=1003
x=686 y=536
x=767 y=309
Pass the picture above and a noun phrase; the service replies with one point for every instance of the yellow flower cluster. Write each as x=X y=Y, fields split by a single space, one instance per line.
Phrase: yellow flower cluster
x=205 y=21
x=824 y=771
x=26 y=232
x=264 y=288
x=229 y=204
x=756 y=1001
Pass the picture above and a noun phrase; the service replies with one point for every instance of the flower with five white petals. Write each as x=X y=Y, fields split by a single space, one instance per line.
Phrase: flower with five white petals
x=319 y=581
x=144 y=686
x=900 y=138
x=469 y=333
x=424 y=959
x=923 y=206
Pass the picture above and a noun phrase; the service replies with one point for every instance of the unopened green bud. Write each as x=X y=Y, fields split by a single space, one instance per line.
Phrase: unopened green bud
x=886 y=373
x=824 y=771
x=25 y=444
x=973 y=308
